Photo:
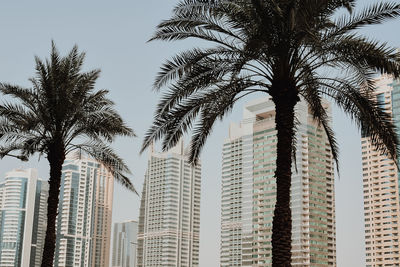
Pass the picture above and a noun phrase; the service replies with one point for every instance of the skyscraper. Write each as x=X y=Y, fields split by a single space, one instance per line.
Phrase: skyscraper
x=169 y=221
x=249 y=191
x=125 y=244
x=84 y=214
x=23 y=211
x=381 y=187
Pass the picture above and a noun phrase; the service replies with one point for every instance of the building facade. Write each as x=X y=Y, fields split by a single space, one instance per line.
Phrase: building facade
x=381 y=187
x=124 y=244
x=84 y=214
x=23 y=218
x=169 y=222
x=249 y=191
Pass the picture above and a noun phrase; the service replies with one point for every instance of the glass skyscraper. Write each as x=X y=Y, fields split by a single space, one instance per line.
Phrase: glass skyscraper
x=23 y=211
x=124 y=244
x=249 y=191
x=169 y=221
x=84 y=214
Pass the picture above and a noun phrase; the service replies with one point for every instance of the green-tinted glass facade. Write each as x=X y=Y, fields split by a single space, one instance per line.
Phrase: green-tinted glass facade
x=396 y=116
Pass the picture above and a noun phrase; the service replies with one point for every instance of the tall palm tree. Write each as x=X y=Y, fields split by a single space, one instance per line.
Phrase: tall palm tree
x=288 y=49
x=59 y=114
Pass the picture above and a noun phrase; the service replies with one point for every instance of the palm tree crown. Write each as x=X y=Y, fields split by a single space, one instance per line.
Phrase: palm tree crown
x=60 y=113
x=261 y=45
x=289 y=49
x=62 y=106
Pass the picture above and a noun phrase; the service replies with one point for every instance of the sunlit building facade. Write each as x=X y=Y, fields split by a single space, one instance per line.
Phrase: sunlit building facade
x=23 y=211
x=169 y=222
x=249 y=191
x=124 y=244
x=84 y=214
x=381 y=187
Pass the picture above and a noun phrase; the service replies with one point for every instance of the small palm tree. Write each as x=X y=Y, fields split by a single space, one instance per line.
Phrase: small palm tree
x=288 y=49
x=59 y=114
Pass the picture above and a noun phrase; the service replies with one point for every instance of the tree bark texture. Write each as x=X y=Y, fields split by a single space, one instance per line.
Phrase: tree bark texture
x=282 y=221
x=56 y=157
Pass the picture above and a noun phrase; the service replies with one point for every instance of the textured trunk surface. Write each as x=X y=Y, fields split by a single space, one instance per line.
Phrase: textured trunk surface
x=282 y=221
x=56 y=157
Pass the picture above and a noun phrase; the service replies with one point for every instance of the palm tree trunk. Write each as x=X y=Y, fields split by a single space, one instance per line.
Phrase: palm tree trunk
x=56 y=157
x=282 y=221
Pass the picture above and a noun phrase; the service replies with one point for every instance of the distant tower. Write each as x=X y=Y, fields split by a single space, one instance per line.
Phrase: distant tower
x=381 y=187
x=169 y=222
x=125 y=244
x=85 y=211
x=249 y=191
x=23 y=218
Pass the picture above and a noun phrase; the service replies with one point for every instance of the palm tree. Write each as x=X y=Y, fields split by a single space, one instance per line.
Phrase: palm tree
x=288 y=49
x=59 y=114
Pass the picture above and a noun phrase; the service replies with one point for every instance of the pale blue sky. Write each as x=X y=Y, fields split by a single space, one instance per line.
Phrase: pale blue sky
x=114 y=35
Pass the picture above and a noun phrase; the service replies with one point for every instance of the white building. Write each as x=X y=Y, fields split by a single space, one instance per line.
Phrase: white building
x=381 y=187
x=124 y=244
x=249 y=191
x=23 y=218
x=169 y=222
x=84 y=218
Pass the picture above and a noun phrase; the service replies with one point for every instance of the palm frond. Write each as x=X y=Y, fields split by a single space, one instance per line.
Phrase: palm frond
x=215 y=106
x=358 y=51
x=199 y=78
x=105 y=155
x=18 y=115
x=315 y=104
x=186 y=62
x=374 y=14
x=206 y=21
x=101 y=124
x=363 y=109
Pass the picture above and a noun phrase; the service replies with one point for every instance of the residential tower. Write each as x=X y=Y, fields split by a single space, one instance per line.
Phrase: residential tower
x=381 y=187
x=249 y=190
x=169 y=222
x=84 y=214
x=23 y=218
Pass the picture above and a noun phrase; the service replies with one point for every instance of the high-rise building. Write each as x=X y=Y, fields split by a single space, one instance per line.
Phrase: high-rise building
x=124 y=244
x=249 y=190
x=84 y=214
x=169 y=221
x=23 y=211
x=381 y=187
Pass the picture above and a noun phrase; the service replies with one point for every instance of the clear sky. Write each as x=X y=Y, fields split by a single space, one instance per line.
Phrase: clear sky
x=114 y=35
